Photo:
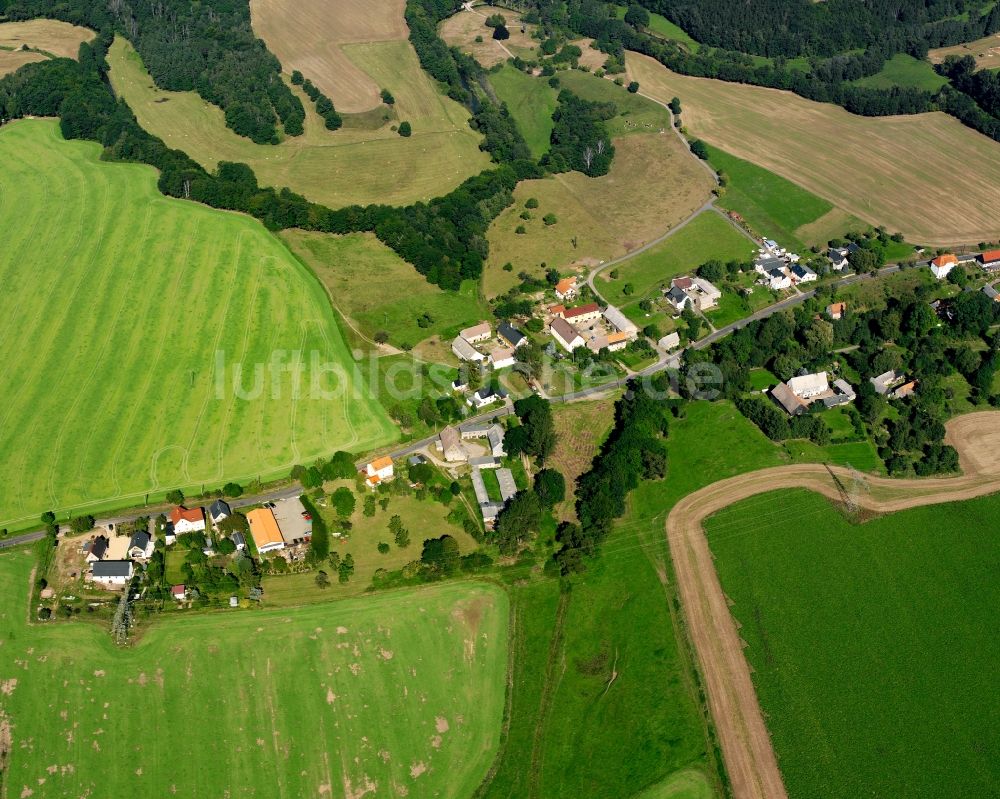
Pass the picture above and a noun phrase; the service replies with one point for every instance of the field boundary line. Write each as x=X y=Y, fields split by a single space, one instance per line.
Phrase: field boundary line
x=750 y=760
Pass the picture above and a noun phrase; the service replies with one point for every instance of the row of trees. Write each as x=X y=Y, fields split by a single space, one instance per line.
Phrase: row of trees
x=324 y=105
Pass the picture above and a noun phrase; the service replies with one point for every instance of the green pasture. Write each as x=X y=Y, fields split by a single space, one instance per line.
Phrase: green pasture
x=904 y=71
x=400 y=694
x=872 y=646
x=635 y=114
x=531 y=102
x=152 y=343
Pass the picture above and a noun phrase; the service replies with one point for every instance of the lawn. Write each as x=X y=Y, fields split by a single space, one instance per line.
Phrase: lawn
x=597 y=218
x=128 y=330
x=403 y=693
x=773 y=207
x=872 y=646
x=706 y=237
x=761 y=378
x=377 y=290
x=426 y=518
x=351 y=165
x=531 y=102
x=46 y=38
x=905 y=71
x=731 y=308
x=315 y=37
x=862 y=165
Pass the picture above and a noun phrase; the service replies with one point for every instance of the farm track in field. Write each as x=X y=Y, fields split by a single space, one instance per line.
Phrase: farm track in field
x=746 y=745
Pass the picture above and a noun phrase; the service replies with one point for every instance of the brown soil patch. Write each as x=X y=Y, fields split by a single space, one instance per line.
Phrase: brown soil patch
x=746 y=745
x=873 y=167
x=307 y=35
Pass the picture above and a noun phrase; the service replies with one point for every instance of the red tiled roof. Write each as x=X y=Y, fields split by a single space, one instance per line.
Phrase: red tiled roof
x=944 y=260
x=583 y=310
x=190 y=515
x=990 y=256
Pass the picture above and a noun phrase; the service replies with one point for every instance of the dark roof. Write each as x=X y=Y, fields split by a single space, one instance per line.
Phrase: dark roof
x=802 y=271
x=507 y=331
x=676 y=295
x=219 y=508
x=139 y=539
x=99 y=547
x=489 y=391
x=852 y=247
x=238 y=539
x=112 y=568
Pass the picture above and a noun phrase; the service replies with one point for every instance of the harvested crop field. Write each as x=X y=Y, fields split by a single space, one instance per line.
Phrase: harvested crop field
x=145 y=336
x=348 y=166
x=654 y=183
x=926 y=176
x=47 y=38
x=395 y=695
x=461 y=30
x=986 y=52
x=309 y=35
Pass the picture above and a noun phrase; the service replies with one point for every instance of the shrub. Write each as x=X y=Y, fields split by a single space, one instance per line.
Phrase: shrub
x=531 y=202
x=520 y=230
x=549 y=219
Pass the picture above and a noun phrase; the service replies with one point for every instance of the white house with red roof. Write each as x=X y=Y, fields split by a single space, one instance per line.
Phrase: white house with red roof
x=187 y=520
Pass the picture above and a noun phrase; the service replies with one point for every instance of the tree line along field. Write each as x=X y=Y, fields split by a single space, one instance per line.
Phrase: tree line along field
x=986 y=52
x=351 y=165
x=871 y=645
x=116 y=326
x=47 y=38
x=310 y=36
x=270 y=703
x=653 y=184
x=376 y=290
x=925 y=176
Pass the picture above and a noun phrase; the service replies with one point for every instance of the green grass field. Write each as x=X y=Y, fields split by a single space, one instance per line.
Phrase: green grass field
x=120 y=305
x=706 y=237
x=774 y=207
x=351 y=165
x=873 y=646
x=391 y=695
x=905 y=71
x=636 y=114
x=663 y=27
x=377 y=290
x=531 y=102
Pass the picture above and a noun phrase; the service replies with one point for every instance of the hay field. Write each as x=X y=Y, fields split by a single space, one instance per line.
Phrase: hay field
x=375 y=289
x=581 y=428
x=986 y=52
x=925 y=176
x=654 y=183
x=461 y=30
x=873 y=646
x=395 y=695
x=337 y=169
x=309 y=35
x=46 y=37
x=127 y=315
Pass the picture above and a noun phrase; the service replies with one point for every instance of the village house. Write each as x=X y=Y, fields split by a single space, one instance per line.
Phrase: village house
x=836 y=310
x=565 y=334
x=843 y=393
x=187 y=520
x=670 y=341
x=556 y=310
x=265 y=531
x=582 y=313
x=96 y=548
x=112 y=573
x=218 y=511
x=991 y=293
x=140 y=547
x=803 y=274
x=178 y=592
x=491 y=431
x=613 y=342
x=942 y=265
x=990 y=260
x=510 y=335
x=838 y=258
x=809 y=386
x=676 y=297
x=777 y=279
x=378 y=471
x=788 y=399
x=566 y=288
x=903 y=391
x=477 y=333
x=501 y=358
x=451 y=446
x=238 y=541
x=884 y=382
x=620 y=322
x=487 y=395
x=464 y=351
x=765 y=265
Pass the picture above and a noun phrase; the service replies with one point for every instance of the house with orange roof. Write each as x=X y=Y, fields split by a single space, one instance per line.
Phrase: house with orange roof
x=187 y=520
x=942 y=265
x=990 y=260
x=836 y=310
x=566 y=288
x=379 y=471
x=265 y=531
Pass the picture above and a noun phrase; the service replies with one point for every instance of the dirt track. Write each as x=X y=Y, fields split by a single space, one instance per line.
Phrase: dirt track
x=746 y=745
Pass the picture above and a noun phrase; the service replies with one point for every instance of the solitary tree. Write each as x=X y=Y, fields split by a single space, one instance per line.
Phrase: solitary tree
x=405 y=130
